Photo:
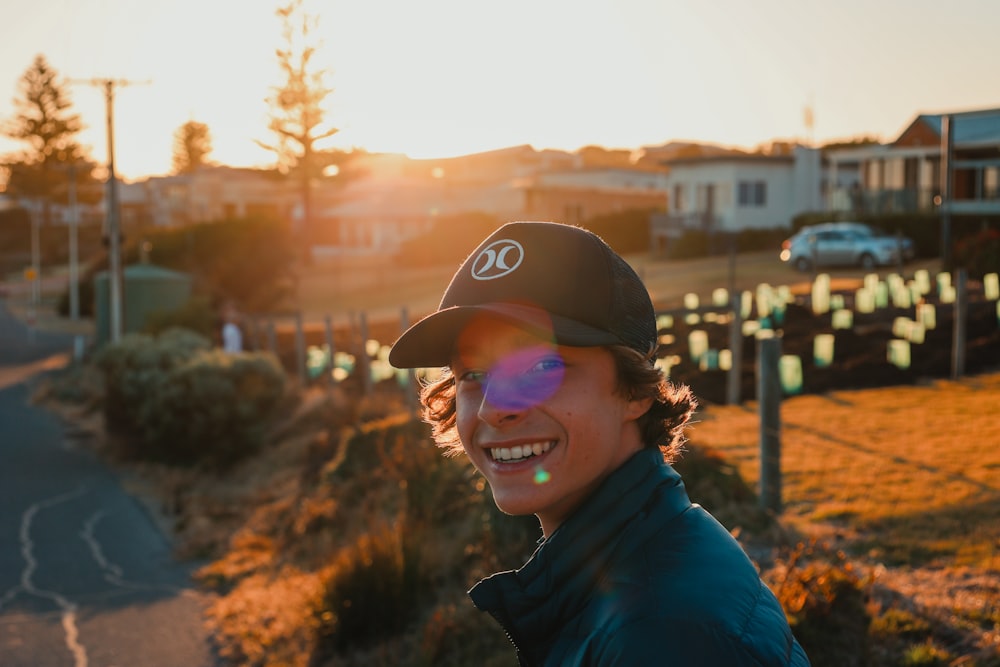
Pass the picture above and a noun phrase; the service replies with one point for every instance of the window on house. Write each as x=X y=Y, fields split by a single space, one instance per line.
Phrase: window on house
x=678 y=197
x=751 y=193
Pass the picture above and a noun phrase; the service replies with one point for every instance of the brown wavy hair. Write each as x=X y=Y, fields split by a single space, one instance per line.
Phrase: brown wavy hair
x=661 y=426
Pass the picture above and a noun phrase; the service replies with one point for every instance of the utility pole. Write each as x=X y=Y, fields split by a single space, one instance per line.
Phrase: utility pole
x=112 y=228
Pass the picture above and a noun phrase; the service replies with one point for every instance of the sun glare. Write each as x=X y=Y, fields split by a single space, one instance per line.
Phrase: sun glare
x=442 y=78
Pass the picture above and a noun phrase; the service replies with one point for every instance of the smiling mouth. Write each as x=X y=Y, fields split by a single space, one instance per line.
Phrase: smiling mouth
x=520 y=452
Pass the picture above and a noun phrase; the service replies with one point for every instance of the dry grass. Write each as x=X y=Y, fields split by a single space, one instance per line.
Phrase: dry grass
x=902 y=479
x=915 y=467
x=906 y=480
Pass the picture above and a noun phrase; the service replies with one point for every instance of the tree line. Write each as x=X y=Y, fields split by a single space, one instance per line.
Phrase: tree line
x=53 y=168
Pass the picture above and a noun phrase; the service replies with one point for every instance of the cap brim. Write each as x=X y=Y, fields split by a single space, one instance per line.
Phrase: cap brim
x=430 y=343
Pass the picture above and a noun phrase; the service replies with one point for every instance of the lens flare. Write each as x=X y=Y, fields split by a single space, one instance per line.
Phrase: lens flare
x=525 y=378
x=542 y=475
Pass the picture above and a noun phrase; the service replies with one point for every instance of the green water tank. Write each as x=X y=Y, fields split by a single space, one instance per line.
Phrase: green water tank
x=145 y=289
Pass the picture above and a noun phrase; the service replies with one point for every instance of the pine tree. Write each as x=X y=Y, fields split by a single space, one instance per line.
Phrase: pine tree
x=192 y=146
x=297 y=108
x=45 y=122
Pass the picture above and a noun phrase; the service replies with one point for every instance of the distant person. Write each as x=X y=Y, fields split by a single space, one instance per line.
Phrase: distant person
x=548 y=339
x=232 y=335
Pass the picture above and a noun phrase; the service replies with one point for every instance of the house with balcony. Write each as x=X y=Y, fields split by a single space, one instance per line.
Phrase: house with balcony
x=905 y=176
x=724 y=192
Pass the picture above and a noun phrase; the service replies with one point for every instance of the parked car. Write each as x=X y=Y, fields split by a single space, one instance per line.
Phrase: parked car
x=845 y=244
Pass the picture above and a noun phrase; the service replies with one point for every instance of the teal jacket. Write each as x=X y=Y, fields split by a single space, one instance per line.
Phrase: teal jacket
x=639 y=575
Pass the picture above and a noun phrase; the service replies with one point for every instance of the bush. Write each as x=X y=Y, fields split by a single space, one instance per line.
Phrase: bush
x=826 y=604
x=212 y=410
x=136 y=367
x=174 y=399
x=247 y=260
x=372 y=593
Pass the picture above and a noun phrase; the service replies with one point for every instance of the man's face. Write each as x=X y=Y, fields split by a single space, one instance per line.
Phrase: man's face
x=543 y=423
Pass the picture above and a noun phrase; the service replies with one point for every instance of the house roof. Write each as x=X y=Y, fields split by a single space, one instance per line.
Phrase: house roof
x=971 y=128
x=733 y=157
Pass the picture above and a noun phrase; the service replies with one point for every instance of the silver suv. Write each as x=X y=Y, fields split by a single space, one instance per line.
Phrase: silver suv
x=845 y=244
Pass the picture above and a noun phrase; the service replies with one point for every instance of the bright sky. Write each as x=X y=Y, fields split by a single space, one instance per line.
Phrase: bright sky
x=448 y=77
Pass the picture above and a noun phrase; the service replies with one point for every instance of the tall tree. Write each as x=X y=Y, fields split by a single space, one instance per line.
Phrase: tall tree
x=192 y=146
x=44 y=121
x=297 y=108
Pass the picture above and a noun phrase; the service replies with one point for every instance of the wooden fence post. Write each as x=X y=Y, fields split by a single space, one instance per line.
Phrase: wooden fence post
x=362 y=364
x=961 y=311
x=330 y=347
x=412 y=395
x=272 y=338
x=735 y=378
x=769 y=401
x=300 y=348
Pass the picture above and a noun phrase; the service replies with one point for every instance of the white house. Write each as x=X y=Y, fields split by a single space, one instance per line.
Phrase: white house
x=735 y=191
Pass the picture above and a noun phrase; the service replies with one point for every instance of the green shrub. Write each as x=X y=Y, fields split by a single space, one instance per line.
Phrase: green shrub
x=212 y=410
x=136 y=367
x=250 y=261
x=173 y=398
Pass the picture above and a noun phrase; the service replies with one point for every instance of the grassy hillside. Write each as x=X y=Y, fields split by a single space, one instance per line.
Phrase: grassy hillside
x=350 y=540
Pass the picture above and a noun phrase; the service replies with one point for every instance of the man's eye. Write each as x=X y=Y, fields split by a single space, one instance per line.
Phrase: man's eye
x=472 y=376
x=548 y=364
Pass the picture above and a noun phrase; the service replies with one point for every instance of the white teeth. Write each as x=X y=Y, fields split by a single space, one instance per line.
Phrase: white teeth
x=519 y=452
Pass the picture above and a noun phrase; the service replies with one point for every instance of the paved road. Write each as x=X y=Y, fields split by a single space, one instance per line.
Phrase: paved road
x=86 y=577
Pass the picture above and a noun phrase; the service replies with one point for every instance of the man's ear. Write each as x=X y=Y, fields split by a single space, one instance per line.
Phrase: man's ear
x=637 y=407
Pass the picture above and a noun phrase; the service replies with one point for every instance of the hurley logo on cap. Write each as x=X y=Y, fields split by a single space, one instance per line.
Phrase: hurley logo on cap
x=497 y=259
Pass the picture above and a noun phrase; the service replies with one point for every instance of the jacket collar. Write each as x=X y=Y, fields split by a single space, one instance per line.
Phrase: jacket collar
x=532 y=603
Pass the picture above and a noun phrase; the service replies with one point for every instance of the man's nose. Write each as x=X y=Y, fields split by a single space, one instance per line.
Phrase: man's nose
x=504 y=399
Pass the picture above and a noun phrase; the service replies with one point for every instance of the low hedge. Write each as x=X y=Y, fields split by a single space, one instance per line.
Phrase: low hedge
x=175 y=399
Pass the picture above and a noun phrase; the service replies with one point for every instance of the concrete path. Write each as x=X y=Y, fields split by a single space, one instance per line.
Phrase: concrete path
x=86 y=576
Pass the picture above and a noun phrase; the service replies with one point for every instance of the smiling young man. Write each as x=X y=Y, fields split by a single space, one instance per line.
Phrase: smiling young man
x=548 y=340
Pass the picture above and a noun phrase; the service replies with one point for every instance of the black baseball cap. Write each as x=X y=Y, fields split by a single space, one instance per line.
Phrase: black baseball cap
x=559 y=279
